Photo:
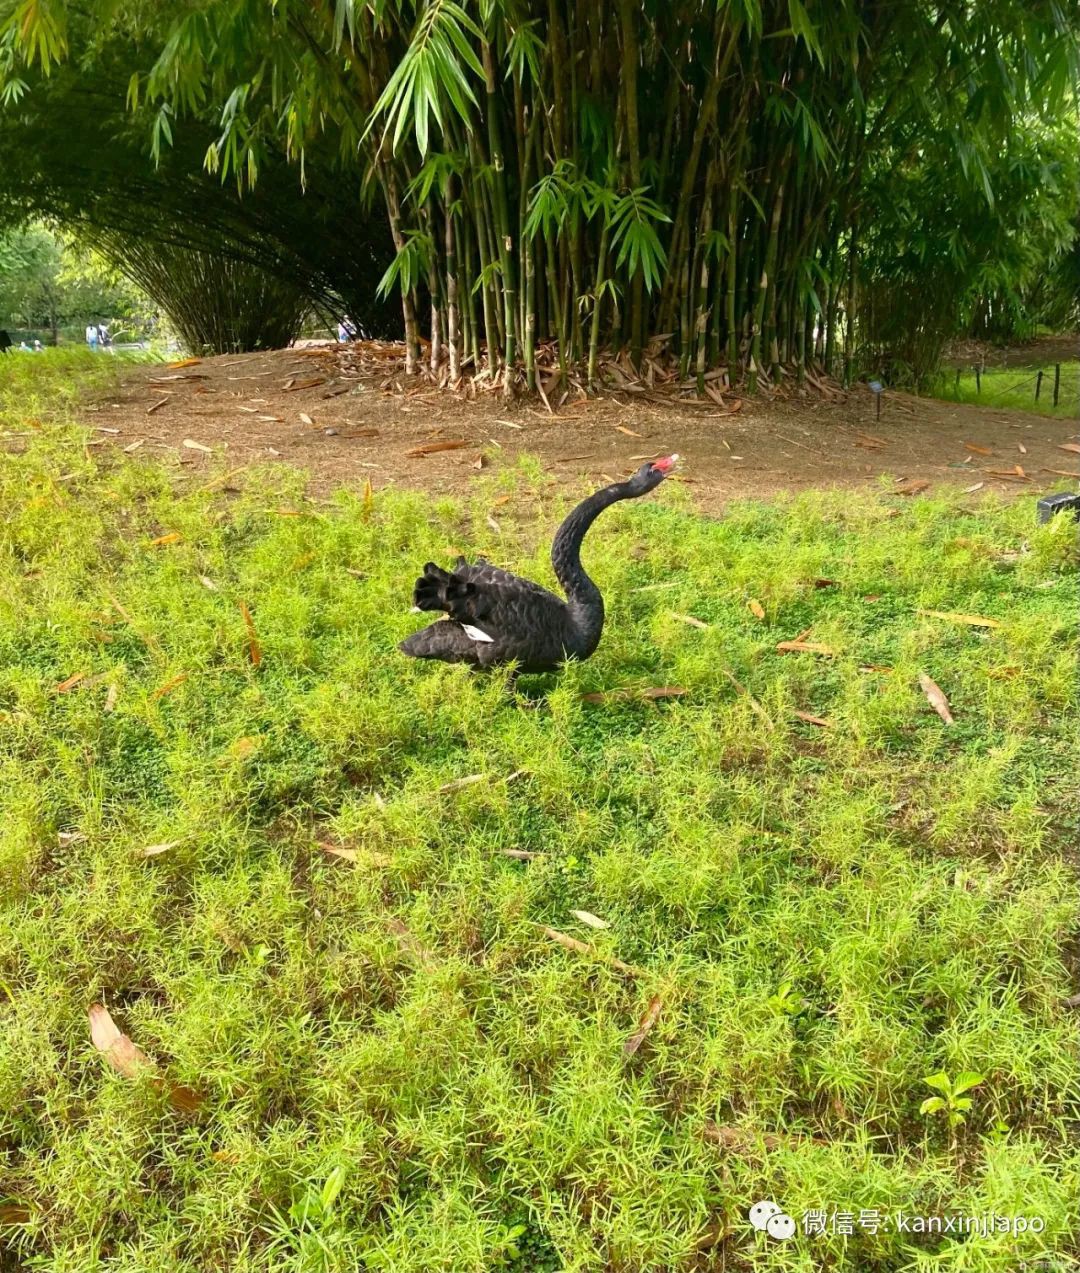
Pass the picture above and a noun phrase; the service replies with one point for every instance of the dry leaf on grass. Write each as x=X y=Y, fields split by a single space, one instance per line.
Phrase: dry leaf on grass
x=409 y=943
x=968 y=490
x=192 y=445
x=245 y=747
x=459 y=783
x=354 y=855
x=500 y=500
x=70 y=683
x=813 y=720
x=173 y=537
x=521 y=855
x=805 y=647
x=938 y=701
x=207 y=582
x=155 y=850
x=912 y=488
x=744 y=1141
x=976 y=449
x=756 y=608
x=590 y=920
x=111 y=697
x=648 y=1019
x=583 y=948
x=972 y=620
x=430 y=448
x=123 y=1055
x=169 y=685
x=651 y=692
x=689 y=618
x=254 y=648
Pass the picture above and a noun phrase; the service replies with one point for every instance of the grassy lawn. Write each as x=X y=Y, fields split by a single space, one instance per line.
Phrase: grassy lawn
x=380 y=1059
x=1014 y=389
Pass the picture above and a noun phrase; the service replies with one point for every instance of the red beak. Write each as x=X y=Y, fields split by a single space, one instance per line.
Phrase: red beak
x=666 y=464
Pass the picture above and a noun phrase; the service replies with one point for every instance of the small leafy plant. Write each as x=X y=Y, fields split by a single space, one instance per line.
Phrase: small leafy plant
x=952 y=1102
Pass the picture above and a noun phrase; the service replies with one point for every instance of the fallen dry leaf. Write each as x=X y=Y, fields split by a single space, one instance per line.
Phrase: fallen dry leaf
x=291 y=386
x=430 y=448
x=756 y=608
x=1062 y=472
x=805 y=647
x=354 y=855
x=500 y=500
x=459 y=783
x=305 y=418
x=583 y=948
x=70 y=683
x=1074 y=447
x=521 y=855
x=184 y=362
x=494 y=524
x=254 y=648
x=629 y=432
x=173 y=537
x=912 y=488
x=156 y=407
x=207 y=582
x=976 y=487
x=938 y=701
x=192 y=445
x=590 y=920
x=976 y=449
x=651 y=692
x=1021 y=448
x=111 y=697
x=744 y=1141
x=123 y=1055
x=646 y=1022
x=154 y=850
x=973 y=620
x=246 y=746
x=813 y=720
x=169 y=686
x=689 y=618
x=409 y=943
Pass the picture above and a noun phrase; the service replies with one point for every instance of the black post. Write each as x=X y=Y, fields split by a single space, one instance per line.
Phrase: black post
x=1057 y=381
x=978 y=380
x=877 y=415
x=1038 y=384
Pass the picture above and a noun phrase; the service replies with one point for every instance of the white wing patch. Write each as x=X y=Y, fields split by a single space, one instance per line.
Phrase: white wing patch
x=474 y=634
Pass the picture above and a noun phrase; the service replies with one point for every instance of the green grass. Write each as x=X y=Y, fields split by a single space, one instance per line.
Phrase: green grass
x=396 y=1069
x=1013 y=388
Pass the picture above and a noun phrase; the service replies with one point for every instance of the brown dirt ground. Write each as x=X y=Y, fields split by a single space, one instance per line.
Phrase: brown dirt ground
x=337 y=414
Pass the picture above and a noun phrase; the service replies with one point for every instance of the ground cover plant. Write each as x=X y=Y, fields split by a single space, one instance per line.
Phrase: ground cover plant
x=1014 y=388
x=330 y=901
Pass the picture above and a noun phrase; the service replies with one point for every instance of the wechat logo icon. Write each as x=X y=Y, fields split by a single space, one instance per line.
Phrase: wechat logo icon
x=768 y=1218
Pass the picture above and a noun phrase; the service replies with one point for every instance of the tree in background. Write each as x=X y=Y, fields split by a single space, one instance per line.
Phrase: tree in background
x=48 y=282
x=722 y=180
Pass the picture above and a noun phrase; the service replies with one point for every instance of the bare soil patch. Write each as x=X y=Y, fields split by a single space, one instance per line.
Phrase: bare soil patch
x=344 y=414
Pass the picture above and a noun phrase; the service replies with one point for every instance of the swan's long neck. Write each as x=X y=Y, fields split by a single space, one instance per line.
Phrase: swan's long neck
x=583 y=598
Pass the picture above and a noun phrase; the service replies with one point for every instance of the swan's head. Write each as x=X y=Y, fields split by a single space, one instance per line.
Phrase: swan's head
x=650 y=475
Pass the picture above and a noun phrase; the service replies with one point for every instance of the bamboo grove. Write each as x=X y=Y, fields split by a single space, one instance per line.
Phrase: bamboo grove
x=687 y=178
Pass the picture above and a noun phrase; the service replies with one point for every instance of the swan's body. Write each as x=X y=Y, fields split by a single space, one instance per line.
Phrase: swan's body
x=494 y=617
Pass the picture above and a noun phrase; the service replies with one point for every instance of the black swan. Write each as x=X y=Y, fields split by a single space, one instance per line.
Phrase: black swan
x=493 y=617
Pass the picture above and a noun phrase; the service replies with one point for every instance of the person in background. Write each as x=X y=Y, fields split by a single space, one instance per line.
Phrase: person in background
x=5 y=341
x=92 y=335
x=24 y=348
x=39 y=348
x=346 y=331
x=105 y=335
